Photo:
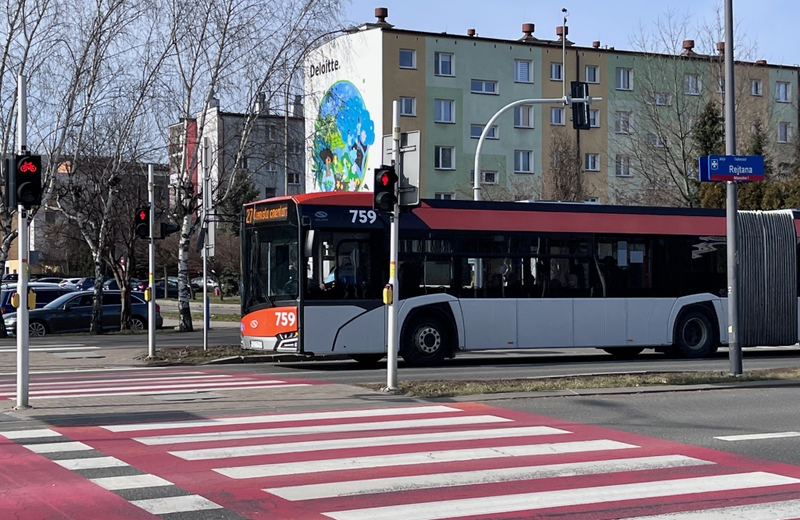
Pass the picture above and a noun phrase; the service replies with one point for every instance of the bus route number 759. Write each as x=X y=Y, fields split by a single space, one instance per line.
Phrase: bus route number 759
x=283 y=319
x=363 y=216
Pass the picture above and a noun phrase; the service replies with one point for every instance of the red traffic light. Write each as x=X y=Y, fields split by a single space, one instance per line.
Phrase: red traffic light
x=28 y=166
x=385 y=179
x=142 y=214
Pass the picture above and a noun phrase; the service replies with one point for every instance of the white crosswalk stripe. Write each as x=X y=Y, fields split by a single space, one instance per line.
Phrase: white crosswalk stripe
x=454 y=461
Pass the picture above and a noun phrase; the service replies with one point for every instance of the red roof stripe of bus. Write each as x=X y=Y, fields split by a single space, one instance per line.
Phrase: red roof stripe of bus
x=547 y=221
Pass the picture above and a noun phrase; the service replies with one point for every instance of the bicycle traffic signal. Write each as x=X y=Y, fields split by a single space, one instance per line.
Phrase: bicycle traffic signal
x=580 y=110
x=384 y=189
x=28 y=180
x=143 y=222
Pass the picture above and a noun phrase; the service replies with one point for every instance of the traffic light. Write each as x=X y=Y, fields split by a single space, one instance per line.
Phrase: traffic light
x=580 y=110
x=384 y=195
x=168 y=228
x=143 y=222
x=28 y=180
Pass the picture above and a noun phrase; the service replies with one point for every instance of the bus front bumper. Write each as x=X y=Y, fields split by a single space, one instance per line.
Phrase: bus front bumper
x=285 y=342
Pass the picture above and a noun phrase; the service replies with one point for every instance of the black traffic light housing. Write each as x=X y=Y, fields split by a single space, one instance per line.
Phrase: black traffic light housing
x=385 y=189
x=580 y=110
x=28 y=181
x=143 y=222
x=168 y=228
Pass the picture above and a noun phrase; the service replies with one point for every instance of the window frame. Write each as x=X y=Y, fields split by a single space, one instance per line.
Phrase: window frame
x=437 y=114
x=413 y=59
x=518 y=165
x=756 y=87
x=622 y=165
x=622 y=122
x=787 y=90
x=556 y=66
x=531 y=119
x=438 y=61
x=661 y=99
x=484 y=174
x=596 y=69
x=413 y=112
x=596 y=123
x=494 y=132
x=563 y=116
x=692 y=84
x=517 y=75
x=449 y=195
x=787 y=128
x=595 y=160
x=623 y=73
x=654 y=141
x=437 y=157
x=483 y=84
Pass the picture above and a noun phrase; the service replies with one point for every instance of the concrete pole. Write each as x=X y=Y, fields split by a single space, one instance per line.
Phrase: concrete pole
x=732 y=201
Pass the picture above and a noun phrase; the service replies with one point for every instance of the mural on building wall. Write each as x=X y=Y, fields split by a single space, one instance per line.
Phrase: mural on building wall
x=343 y=133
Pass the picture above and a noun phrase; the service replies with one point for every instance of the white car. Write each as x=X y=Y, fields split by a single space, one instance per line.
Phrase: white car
x=197 y=283
x=71 y=283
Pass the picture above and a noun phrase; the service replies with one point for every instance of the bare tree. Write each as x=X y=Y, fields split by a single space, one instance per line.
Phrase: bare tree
x=564 y=181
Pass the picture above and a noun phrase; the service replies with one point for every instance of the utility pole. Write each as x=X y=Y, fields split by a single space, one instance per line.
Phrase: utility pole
x=23 y=360
x=393 y=342
x=151 y=262
x=731 y=202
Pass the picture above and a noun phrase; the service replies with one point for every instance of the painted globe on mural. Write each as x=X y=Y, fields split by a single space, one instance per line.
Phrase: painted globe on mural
x=343 y=133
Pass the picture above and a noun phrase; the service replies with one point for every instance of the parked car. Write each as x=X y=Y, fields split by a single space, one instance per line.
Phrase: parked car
x=197 y=284
x=73 y=313
x=72 y=283
x=172 y=288
x=45 y=293
x=49 y=279
x=136 y=285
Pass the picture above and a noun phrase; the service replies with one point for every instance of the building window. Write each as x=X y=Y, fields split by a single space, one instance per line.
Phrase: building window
x=661 y=98
x=784 y=132
x=721 y=84
x=522 y=71
x=622 y=122
x=444 y=196
x=408 y=106
x=443 y=64
x=624 y=79
x=272 y=168
x=523 y=161
x=592 y=162
x=523 y=116
x=408 y=59
x=270 y=132
x=622 y=166
x=488 y=177
x=295 y=148
x=691 y=84
x=655 y=141
x=443 y=111
x=270 y=193
x=294 y=178
x=480 y=86
x=556 y=72
x=783 y=91
x=594 y=118
x=756 y=88
x=557 y=116
x=592 y=74
x=592 y=200
x=475 y=132
x=444 y=158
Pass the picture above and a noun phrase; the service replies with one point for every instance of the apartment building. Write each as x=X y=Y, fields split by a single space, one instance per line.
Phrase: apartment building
x=638 y=150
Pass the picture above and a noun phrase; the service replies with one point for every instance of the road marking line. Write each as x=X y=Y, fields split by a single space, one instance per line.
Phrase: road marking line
x=58 y=447
x=5 y=350
x=758 y=436
x=93 y=463
x=567 y=497
x=130 y=482
x=387 y=440
x=94 y=382
x=184 y=504
x=462 y=420
x=283 y=417
x=764 y=511
x=427 y=457
x=29 y=434
x=100 y=370
x=483 y=476
x=89 y=391
x=194 y=389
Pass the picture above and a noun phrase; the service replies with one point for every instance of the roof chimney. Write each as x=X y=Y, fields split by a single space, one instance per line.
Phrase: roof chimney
x=688 y=46
x=596 y=44
x=761 y=62
x=562 y=31
x=721 y=48
x=527 y=32
x=381 y=13
x=471 y=33
x=261 y=101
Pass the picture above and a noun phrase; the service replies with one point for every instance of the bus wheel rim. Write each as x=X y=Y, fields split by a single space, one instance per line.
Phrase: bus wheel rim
x=428 y=340
x=695 y=333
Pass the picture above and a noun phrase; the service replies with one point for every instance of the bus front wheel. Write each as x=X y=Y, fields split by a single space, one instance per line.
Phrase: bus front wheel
x=694 y=335
x=425 y=341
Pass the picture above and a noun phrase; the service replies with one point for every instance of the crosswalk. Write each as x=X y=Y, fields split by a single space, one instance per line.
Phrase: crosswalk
x=142 y=382
x=420 y=462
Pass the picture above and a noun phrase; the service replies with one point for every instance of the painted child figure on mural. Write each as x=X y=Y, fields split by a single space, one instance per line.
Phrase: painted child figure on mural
x=328 y=181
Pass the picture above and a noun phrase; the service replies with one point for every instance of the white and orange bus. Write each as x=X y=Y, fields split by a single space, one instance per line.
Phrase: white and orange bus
x=488 y=275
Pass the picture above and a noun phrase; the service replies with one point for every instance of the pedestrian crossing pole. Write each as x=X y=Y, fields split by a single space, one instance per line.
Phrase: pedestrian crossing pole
x=393 y=340
x=23 y=360
x=151 y=262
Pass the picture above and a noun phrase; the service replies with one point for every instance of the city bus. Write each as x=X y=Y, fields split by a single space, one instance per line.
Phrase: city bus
x=486 y=276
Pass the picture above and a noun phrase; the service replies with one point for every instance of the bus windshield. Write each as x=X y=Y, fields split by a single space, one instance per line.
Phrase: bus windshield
x=270 y=275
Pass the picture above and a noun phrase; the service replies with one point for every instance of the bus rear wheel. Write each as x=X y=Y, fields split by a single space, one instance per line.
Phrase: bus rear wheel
x=694 y=335
x=425 y=341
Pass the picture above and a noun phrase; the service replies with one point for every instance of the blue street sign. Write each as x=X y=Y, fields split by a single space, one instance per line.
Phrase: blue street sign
x=737 y=168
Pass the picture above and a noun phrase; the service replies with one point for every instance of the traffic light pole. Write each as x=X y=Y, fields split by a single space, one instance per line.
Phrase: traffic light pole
x=151 y=262
x=393 y=342
x=23 y=361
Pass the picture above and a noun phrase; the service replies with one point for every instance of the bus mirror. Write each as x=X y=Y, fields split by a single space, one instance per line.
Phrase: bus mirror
x=308 y=246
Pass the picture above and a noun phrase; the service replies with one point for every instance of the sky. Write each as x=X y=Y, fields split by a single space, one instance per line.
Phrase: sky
x=766 y=28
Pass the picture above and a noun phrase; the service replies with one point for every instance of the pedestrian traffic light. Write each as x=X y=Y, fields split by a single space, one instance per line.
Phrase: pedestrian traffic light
x=168 y=228
x=580 y=109
x=384 y=196
x=28 y=175
x=143 y=222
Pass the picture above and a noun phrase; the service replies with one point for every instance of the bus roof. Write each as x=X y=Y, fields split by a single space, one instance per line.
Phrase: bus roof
x=465 y=215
